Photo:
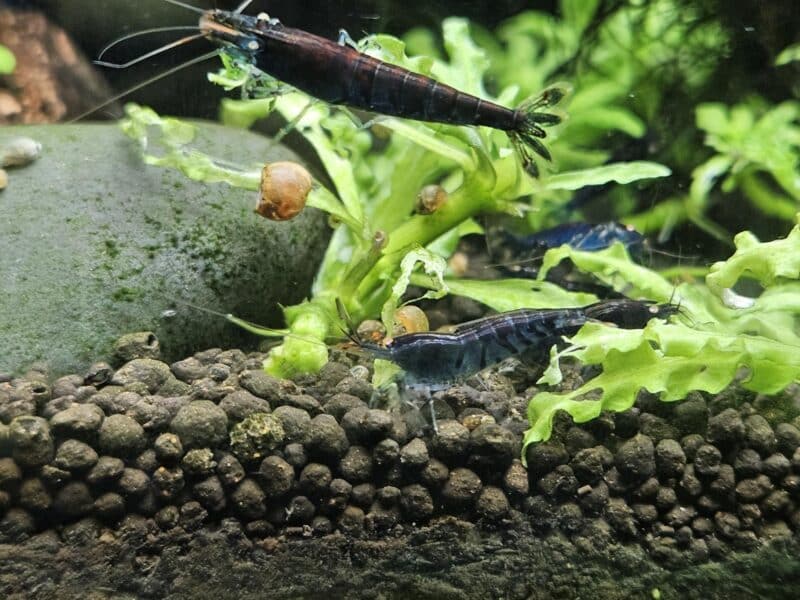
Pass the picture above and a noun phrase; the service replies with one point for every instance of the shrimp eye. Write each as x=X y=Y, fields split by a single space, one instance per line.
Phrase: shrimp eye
x=253 y=45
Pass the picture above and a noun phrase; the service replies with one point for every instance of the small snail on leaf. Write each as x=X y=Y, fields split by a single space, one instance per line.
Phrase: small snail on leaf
x=285 y=186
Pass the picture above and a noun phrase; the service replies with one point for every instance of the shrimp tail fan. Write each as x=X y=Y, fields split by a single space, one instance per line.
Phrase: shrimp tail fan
x=531 y=119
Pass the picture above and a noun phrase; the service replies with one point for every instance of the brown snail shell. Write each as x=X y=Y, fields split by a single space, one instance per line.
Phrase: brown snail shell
x=284 y=188
x=430 y=199
x=410 y=319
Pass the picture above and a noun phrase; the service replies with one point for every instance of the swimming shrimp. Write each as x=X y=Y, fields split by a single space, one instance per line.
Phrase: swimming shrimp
x=337 y=73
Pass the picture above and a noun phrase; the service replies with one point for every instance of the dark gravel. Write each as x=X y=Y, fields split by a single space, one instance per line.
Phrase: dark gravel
x=236 y=450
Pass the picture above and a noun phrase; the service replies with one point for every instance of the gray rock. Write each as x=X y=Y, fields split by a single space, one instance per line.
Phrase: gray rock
x=230 y=470
x=587 y=465
x=210 y=493
x=338 y=495
x=110 y=507
x=414 y=455
x=121 y=436
x=296 y=455
x=79 y=420
x=276 y=475
x=451 y=442
x=559 y=484
x=168 y=482
x=788 y=438
x=545 y=456
x=670 y=458
x=241 y=404
x=258 y=383
x=133 y=483
x=168 y=448
x=461 y=489
x=356 y=465
x=296 y=423
x=10 y=474
x=315 y=479
x=515 y=480
x=200 y=423
x=141 y=344
x=151 y=414
x=386 y=453
x=31 y=441
x=635 y=458
x=300 y=511
x=327 y=441
x=189 y=369
x=73 y=500
x=492 y=447
x=33 y=496
x=435 y=474
x=106 y=470
x=304 y=402
x=351 y=522
x=363 y=495
x=620 y=516
x=147 y=371
x=416 y=503
x=492 y=504
x=248 y=500
x=134 y=239
x=759 y=435
x=73 y=455
x=339 y=404
x=725 y=428
x=707 y=461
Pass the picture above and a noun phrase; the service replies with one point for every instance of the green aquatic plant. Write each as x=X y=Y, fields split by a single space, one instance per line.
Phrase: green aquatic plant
x=704 y=349
x=379 y=245
x=8 y=61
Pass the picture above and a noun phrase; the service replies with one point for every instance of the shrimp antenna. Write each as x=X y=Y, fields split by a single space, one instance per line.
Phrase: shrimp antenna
x=145 y=32
x=250 y=326
x=147 y=82
x=345 y=316
x=187 y=6
x=242 y=6
x=151 y=54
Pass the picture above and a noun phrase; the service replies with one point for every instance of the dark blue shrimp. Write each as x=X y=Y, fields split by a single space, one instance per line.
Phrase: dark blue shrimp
x=339 y=74
x=520 y=254
x=581 y=236
x=436 y=359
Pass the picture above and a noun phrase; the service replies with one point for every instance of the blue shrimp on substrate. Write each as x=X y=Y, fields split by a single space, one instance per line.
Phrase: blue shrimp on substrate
x=404 y=312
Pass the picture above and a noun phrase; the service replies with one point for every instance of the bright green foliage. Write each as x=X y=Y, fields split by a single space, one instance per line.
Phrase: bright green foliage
x=703 y=349
x=769 y=263
x=8 y=62
x=789 y=54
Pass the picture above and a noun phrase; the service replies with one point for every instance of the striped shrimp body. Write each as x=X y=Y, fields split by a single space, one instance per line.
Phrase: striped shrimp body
x=437 y=359
x=339 y=74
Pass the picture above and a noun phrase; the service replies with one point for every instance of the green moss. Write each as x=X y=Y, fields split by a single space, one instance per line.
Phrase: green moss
x=126 y=294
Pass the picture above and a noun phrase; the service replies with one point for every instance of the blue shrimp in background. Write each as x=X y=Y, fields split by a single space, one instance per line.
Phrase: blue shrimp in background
x=520 y=255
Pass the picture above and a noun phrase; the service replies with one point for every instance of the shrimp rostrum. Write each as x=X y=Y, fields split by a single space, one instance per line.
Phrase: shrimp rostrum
x=339 y=74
